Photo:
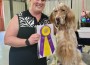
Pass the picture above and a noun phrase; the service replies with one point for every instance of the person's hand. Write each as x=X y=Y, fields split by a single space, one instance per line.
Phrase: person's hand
x=33 y=39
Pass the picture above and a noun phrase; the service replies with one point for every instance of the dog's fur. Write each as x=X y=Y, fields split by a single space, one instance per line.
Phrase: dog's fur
x=63 y=20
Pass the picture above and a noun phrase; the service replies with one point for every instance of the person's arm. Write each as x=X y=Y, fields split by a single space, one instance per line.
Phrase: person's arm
x=11 y=34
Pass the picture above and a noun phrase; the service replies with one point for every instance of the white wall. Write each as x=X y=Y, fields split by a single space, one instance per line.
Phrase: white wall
x=52 y=3
x=6 y=13
x=17 y=7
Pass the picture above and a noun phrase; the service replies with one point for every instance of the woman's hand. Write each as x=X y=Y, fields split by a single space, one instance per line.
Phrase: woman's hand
x=33 y=39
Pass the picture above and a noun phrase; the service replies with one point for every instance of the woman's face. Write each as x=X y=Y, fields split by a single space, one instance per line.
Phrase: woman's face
x=37 y=5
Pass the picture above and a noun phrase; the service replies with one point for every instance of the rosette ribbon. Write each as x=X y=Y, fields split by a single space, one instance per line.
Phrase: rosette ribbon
x=46 y=43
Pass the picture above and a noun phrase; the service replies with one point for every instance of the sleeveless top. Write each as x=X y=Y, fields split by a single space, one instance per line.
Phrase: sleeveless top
x=27 y=55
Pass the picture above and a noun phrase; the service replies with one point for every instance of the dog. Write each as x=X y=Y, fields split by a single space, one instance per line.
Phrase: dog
x=63 y=19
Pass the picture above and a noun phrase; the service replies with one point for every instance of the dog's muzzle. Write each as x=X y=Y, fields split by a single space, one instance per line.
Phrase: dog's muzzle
x=57 y=21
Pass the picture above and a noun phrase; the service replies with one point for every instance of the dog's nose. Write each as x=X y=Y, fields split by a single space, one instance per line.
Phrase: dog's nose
x=58 y=20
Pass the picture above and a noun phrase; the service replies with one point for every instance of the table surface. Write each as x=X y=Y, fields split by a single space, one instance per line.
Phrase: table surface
x=84 y=36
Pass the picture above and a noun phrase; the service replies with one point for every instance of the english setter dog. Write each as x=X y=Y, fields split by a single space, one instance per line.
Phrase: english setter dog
x=63 y=20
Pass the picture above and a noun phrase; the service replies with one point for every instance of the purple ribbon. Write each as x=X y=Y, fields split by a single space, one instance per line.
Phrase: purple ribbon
x=42 y=44
x=51 y=43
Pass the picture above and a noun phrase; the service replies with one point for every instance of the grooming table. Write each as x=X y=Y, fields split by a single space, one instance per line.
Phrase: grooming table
x=83 y=36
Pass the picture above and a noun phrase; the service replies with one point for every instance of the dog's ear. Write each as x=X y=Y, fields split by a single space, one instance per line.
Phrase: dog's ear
x=51 y=18
x=70 y=18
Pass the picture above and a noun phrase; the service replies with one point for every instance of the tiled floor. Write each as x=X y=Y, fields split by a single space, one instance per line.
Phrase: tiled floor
x=4 y=50
x=4 y=54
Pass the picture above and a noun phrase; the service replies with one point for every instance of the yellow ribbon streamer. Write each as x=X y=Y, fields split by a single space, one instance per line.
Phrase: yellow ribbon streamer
x=47 y=50
x=45 y=32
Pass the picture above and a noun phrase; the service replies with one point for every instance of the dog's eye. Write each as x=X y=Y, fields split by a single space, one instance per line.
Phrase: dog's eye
x=63 y=10
x=55 y=10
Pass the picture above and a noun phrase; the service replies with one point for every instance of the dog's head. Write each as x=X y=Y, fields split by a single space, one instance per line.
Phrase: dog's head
x=62 y=15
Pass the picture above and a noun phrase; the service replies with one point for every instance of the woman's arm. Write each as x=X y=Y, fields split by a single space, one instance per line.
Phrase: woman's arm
x=11 y=34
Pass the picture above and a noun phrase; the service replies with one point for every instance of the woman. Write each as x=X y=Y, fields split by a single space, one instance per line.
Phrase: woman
x=21 y=36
